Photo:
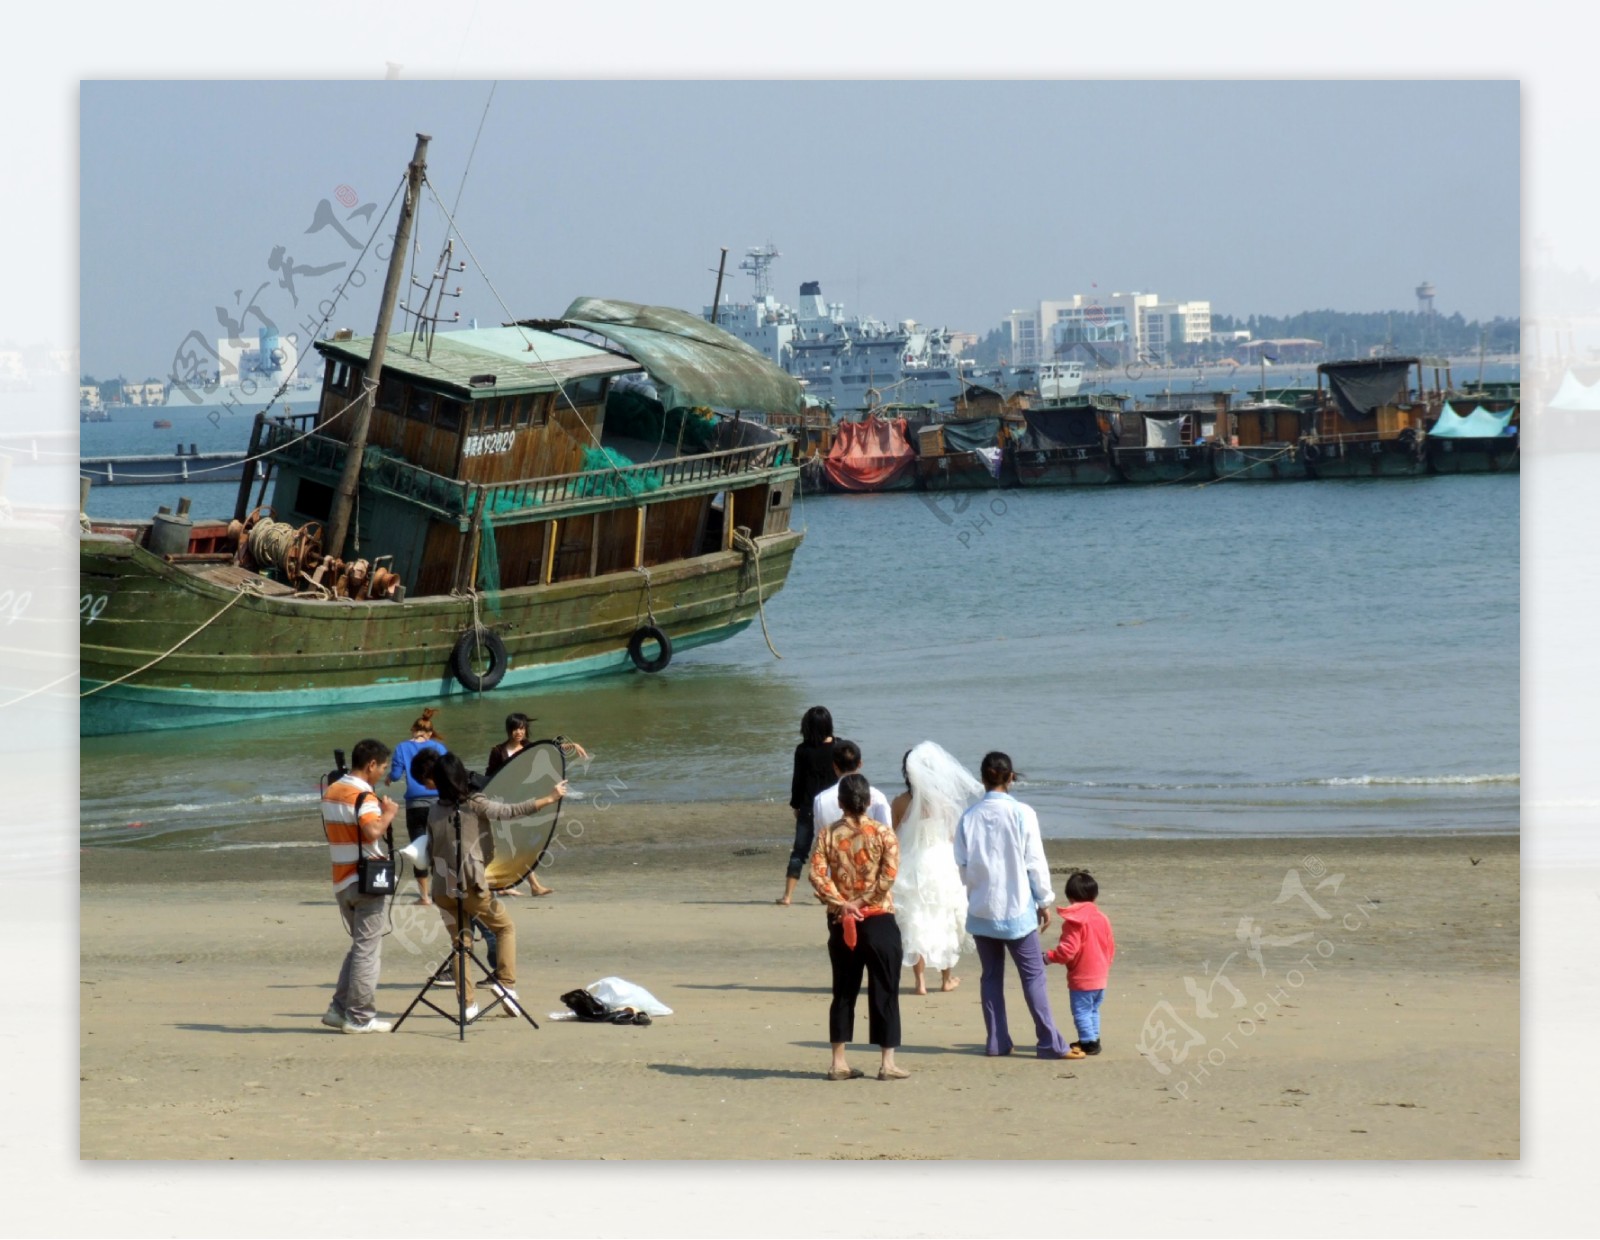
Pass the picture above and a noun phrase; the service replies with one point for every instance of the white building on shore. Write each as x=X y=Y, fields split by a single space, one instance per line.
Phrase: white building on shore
x=1113 y=329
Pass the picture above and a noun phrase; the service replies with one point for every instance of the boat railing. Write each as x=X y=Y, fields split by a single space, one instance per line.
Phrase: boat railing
x=506 y=499
x=452 y=497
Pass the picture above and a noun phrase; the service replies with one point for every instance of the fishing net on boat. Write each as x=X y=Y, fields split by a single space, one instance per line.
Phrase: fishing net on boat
x=633 y=415
x=618 y=475
x=488 y=575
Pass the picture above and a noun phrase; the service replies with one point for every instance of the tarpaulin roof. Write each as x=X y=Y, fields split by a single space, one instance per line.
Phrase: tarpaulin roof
x=1361 y=387
x=1479 y=424
x=1061 y=428
x=870 y=455
x=970 y=434
x=692 y=361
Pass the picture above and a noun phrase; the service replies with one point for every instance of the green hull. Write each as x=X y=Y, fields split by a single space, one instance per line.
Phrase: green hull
x=282 y=655
x=1266 y=463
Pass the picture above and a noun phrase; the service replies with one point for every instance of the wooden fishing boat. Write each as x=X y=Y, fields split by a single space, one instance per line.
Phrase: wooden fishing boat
x=451 y=520
x=1066 y=443
x=963 y=454
x=1368 y=424
x=1163 y=445
x=1483 y=441
x=1260 y=443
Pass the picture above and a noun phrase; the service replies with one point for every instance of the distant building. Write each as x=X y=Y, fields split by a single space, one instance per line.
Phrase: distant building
x=148 y=393
x=1114 y=329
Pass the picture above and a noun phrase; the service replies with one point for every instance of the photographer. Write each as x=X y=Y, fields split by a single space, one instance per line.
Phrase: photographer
x=356 y=821
x=465 y=895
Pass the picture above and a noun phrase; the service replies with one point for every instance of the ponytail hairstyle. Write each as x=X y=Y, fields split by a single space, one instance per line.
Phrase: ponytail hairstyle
x=855 y=795
x=425 y=725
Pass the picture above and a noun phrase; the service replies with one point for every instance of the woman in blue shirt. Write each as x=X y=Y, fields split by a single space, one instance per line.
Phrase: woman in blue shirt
x=419 y=797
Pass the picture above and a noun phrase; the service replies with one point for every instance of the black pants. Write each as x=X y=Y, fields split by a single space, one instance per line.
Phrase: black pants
x=804 y=832
x=877 y=950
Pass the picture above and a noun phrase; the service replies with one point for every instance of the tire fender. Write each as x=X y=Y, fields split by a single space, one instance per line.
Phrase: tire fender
x=461 y=659
x=645 y=633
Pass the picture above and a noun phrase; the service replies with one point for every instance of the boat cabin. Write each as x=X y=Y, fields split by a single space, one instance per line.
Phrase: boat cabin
x=522 y=455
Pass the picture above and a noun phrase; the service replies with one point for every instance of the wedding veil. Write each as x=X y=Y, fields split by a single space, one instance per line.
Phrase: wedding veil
x=941 y=791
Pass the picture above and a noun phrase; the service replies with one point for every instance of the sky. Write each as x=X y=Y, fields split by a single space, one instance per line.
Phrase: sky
x=948 y=202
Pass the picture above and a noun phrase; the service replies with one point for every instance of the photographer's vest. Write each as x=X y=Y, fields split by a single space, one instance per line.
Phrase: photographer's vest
x=339 y=824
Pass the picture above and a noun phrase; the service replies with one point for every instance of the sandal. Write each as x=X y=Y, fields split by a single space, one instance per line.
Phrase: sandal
x=892 y=1074
x=847 y=1074
x=1075 y=1052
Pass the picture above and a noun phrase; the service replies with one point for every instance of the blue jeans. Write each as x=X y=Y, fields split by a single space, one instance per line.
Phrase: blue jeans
x=805 y=831
x=1086 y=1013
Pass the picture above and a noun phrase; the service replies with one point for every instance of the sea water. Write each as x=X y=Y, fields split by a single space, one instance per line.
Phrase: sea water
x=1223 y=660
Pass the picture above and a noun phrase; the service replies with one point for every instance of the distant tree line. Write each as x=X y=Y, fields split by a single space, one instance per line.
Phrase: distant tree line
x=1343 y=334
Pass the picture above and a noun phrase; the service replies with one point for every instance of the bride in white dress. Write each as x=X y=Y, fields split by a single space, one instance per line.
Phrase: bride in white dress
x=929 y=899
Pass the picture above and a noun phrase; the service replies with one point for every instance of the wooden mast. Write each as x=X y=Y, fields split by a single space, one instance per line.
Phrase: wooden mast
x=350 y=479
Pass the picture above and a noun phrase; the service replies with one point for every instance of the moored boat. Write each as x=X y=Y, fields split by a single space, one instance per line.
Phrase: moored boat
x=1066 y=444
x=1367 y=425
x=963 y=454
x=495 y=538
x=1261 y=443
x=871 y=455
x=1480 y=442
x=1163 y=445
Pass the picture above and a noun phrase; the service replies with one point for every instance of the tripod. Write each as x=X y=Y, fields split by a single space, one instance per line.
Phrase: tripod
x=457 y=960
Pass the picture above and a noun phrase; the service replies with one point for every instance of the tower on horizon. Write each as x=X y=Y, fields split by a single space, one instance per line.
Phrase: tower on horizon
x=1425 y=298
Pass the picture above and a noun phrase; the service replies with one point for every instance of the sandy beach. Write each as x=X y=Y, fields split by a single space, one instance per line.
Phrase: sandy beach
x=1378 y=1018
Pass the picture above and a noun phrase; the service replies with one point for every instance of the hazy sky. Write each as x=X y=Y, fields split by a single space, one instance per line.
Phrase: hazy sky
x=948 y=202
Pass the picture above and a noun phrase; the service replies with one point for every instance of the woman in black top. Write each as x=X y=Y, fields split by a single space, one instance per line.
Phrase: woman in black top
x=813 y=771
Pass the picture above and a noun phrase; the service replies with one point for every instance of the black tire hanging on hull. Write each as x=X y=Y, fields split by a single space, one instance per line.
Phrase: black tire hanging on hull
x=649 y=632
x=461 y=659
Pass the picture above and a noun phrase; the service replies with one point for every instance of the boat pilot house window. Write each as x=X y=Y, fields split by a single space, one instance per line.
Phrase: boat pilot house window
x=391 y=393
x=448 y=415
x=587 y=391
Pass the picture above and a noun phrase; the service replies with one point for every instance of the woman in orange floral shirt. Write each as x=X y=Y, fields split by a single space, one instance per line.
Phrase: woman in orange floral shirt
x=852 y=868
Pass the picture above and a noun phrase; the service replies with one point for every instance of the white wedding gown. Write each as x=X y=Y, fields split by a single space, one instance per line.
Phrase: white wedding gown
x=930 y=901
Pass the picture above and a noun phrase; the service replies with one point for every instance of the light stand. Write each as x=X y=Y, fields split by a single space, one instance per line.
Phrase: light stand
x=460 y=953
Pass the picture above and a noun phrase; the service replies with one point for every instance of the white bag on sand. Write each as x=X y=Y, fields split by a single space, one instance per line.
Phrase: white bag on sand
x=615 y=992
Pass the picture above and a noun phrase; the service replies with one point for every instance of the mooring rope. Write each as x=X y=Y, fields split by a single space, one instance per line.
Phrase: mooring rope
x=242 y=593
x=752 y=553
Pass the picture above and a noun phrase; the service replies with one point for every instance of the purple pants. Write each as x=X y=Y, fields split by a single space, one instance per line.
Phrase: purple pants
x=1030 y=968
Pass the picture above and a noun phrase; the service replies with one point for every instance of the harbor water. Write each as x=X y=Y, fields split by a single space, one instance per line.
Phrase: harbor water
x=1233 y=659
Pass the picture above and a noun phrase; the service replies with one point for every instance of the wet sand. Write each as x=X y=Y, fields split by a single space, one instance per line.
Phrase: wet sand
x=1380 y=1020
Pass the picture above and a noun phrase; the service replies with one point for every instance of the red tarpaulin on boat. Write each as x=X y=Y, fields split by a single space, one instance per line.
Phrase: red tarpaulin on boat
x=873 y=455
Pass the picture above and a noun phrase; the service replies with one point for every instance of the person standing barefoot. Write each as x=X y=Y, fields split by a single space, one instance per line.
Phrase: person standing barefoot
x=929 y=895
x=813 y=771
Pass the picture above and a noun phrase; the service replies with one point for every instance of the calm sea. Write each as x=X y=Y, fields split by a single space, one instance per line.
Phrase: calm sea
x=1235 y=659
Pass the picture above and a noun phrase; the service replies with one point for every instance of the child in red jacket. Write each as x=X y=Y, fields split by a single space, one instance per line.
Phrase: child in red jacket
x=1086 y=948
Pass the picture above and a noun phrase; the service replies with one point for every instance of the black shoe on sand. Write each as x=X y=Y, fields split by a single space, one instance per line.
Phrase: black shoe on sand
x=1089 y=1048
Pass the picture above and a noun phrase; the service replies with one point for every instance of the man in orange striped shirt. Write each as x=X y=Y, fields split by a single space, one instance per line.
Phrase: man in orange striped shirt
x=355 y=821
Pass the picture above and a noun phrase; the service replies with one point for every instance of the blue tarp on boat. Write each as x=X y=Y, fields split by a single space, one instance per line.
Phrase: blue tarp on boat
x=1479 y=424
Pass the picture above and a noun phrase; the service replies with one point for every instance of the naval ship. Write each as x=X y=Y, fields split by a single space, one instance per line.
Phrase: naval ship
x=849 y=363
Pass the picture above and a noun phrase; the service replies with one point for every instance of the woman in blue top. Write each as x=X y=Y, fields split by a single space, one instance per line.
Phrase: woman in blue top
x=419 y=797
